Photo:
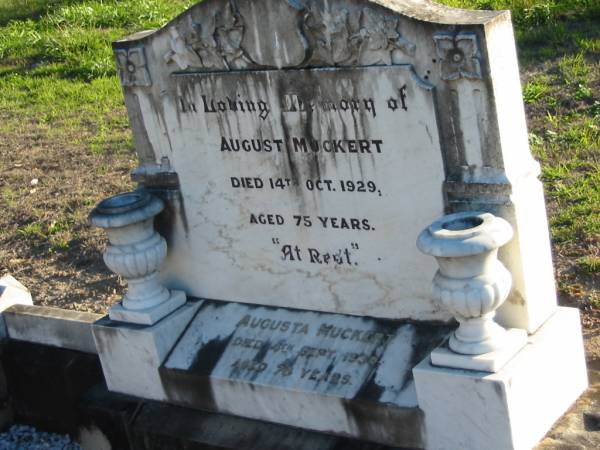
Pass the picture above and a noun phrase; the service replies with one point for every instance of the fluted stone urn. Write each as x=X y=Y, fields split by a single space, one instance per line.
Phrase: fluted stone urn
x=471 y=282
x=135 y=252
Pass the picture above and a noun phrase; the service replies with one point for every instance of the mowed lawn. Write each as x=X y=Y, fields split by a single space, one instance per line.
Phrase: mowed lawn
x=65 y=141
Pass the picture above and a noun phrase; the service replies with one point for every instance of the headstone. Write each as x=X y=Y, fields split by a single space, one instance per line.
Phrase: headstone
x=300 y=147
x=311 y=141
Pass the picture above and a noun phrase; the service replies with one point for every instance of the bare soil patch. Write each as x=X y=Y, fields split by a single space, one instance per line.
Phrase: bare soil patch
x=60 y=264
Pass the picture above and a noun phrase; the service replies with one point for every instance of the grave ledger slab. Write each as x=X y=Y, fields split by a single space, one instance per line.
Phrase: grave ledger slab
x=320 y=371
x=299 y=148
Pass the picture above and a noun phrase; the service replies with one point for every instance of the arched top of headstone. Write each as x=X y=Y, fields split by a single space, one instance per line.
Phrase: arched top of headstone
x=223 y=35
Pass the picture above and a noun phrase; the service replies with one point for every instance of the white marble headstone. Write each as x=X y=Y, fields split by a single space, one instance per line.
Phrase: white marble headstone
x=306 y=144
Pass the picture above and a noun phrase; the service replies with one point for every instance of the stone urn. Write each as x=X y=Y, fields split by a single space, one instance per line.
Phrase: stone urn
x=136 y=252
x=471 y=282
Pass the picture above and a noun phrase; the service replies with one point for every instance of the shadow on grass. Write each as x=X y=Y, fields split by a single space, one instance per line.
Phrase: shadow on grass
x=39 y=68
x=551 y=41
x=28 y=9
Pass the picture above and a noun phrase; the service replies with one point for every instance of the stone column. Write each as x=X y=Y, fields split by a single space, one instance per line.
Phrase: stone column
x=136 y=251
x=472 y=283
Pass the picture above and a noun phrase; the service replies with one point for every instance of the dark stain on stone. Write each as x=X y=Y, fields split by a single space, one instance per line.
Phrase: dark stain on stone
x=429 y=337
x=314 y=170
x=192 y=387
x=370 y=389
x=208 y=356
x=499 y=389
x=161 y=426
x=159 y=112
x=142 y=142
x=188 y=389
x=165 y=222
x=262 y=352
x=182 y=213
x=386 y=423
x=382 y=422
x=440 y=129
x=293 y=170
x=516 y=298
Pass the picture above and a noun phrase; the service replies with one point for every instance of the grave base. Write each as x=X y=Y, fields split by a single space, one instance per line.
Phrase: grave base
x=131 y=354
x=514 y=407
x=349 y=376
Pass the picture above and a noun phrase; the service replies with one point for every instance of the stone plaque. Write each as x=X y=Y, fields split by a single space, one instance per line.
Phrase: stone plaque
x=307 y=187
x=315 y=370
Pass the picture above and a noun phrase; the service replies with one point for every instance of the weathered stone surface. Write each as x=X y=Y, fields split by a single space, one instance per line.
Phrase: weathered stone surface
x=131 y=353
x=301 y=198
x=160 y=426
x=12 y=292
x=326 y=372
x=300 y=147
x=510 y=409
x=51 y=326
x=438 y=87
x=128 y=422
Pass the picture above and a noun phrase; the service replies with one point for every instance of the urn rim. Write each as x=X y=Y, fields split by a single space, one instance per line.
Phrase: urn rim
x=464 y=234
x=461 y=225
x=126 y=208
x=124 y=202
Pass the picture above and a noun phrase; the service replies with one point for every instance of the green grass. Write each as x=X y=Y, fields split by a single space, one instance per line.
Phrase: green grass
x=528 y=13
x=57 y=66
x=590 y=263
x=54 y=236
x=23 y=9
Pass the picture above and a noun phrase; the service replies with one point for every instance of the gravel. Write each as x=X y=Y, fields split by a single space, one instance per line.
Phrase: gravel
x=23 y=437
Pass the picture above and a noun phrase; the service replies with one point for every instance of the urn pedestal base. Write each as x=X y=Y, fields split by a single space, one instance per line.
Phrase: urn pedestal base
x=148 y=316
x=513 y=341
x=131 y=354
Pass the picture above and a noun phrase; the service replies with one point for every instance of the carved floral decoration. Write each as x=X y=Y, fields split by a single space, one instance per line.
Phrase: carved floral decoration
x=181 y=53
x=459 y=55
x=338 y=39
x=380 y=39
x=215 y=44
x=334 y=37
x=329 y=35
x=131 y=64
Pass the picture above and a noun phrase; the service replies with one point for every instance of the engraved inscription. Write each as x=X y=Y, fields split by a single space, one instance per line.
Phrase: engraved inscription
x=314 y=352
x=302 y=178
